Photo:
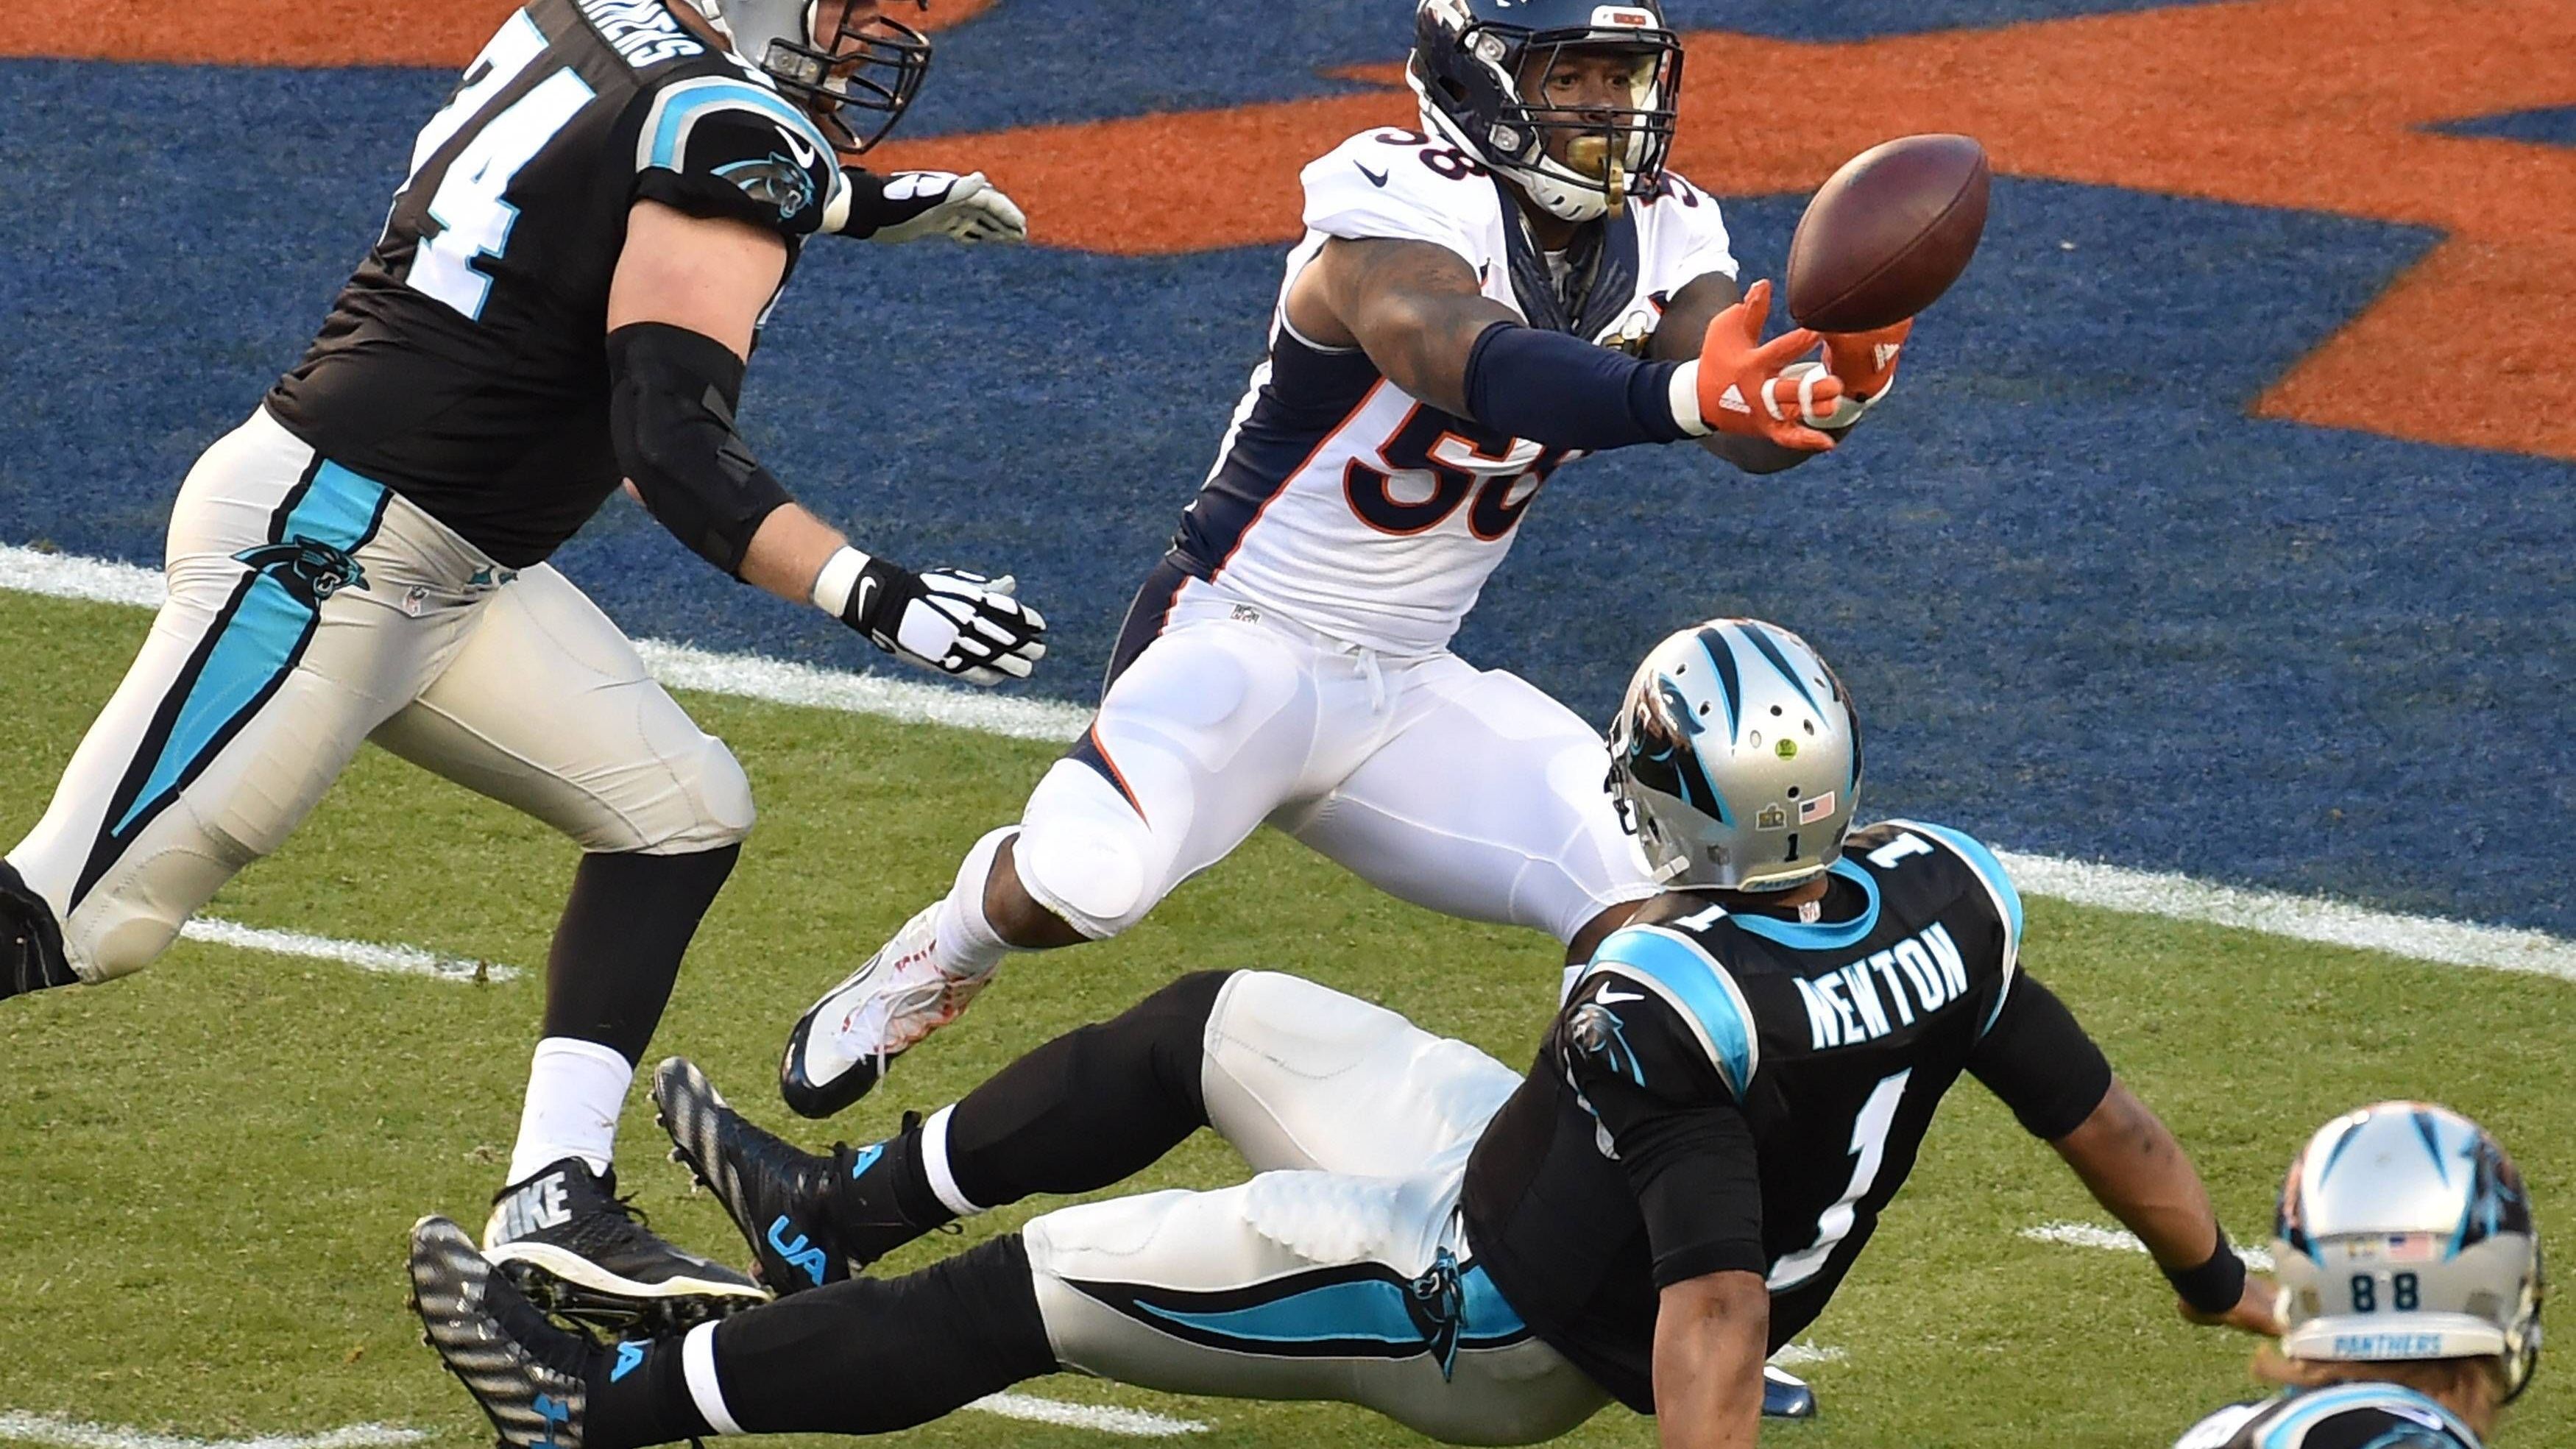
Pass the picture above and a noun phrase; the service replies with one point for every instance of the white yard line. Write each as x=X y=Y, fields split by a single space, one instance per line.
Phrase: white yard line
x=2175 y=897
x=1134 y=1423
x=2094 y=1235
x=386 y=960
x=2301 y=918
x=62 y=1433
x=1806 y=1355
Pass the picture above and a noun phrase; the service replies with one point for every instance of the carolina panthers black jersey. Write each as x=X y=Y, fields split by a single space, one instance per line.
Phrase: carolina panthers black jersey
x=465 y=365
x=2346 y=1416
x=1732 y=1091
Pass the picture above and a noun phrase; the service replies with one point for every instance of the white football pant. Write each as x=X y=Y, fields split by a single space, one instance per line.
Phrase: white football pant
x=1341 y=1271
x=1469 y=792
x=311 y=610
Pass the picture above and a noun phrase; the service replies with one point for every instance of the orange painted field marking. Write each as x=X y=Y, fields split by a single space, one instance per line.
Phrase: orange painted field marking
x=2310 y=104
x=441 y=33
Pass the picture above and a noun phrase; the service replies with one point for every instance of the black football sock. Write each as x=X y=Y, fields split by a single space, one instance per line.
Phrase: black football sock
x=873 y=1355
x=617 y=950
x=637 y=1394
x=1092 y=1107
x=881 y=1196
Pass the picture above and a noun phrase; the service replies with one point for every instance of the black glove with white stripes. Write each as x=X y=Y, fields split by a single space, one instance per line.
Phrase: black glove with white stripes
x=956 y=622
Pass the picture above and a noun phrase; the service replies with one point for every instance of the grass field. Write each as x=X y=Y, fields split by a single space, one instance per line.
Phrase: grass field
x=206 y=1171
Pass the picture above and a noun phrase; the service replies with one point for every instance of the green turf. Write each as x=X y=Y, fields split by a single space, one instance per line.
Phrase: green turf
x=206 y=1171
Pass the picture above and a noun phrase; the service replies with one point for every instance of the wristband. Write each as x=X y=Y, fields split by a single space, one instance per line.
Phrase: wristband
x=2215 y=1286
x=840 y=575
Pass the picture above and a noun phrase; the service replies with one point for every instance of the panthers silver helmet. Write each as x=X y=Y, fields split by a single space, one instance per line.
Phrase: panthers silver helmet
x=2404 y=1233
x=1736 y=758
x=870 y=66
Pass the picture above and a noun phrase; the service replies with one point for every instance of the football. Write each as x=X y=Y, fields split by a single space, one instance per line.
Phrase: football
x=1887 y=234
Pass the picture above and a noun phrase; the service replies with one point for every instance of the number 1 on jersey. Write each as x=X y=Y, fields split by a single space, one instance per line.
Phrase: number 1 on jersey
x=1868 y=1144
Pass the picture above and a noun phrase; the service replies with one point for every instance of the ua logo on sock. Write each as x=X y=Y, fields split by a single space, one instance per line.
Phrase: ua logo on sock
x=800 y=1254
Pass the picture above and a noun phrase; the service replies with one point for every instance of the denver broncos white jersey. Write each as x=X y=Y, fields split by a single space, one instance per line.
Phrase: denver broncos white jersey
x=1343 y=502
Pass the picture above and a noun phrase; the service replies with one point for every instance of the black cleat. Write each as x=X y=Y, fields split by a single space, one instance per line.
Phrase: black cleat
x=1785 y=1395
x=777 y=1193
x=31 y=943
x=528 y=1375
x=573 y=1247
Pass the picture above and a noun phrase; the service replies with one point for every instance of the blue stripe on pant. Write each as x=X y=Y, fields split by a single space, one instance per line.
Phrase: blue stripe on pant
x=254 y=644
x=1364 y=1310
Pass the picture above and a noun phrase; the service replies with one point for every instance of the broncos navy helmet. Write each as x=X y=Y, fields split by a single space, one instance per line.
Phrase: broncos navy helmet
x=1736 y=758
x=1469 y=58
x=871 y=65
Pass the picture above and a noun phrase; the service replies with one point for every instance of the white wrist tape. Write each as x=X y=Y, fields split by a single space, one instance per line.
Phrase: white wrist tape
x=1685 y=401
x=840 y=575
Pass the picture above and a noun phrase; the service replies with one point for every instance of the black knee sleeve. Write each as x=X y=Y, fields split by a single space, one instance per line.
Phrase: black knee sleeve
x=31 y=941
x=872 y=1355
x=617 y=951
x=1092 y=1107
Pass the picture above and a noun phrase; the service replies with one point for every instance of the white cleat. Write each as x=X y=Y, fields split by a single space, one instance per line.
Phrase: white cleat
x=843 y=1044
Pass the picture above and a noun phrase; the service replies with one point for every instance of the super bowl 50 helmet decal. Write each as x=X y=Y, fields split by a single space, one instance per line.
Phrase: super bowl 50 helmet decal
x=871 y=64
x=1736 y=758
x=1468 y=59
x=2404 y=1233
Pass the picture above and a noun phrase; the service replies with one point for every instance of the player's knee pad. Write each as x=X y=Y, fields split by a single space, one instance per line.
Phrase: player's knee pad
x=717 y=796
x=1085 y=854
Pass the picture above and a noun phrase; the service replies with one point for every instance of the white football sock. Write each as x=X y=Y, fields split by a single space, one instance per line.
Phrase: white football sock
x=934 y=1166
x=576 y=1089
x=962 y=940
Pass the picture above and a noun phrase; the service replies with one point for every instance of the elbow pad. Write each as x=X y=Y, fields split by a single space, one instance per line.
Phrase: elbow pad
x=671 y=400
x=1560 y=390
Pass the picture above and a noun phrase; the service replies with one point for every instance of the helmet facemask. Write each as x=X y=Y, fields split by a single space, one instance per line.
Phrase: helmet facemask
x=870 y=67
x=1575 y=161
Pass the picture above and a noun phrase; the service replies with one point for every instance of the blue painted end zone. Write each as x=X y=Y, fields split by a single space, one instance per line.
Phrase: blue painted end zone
x=2555 y=126
x=2087 y=606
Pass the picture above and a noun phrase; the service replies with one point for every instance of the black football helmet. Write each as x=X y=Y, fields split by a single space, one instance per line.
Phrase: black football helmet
x=870 y=66
x=1468 y=58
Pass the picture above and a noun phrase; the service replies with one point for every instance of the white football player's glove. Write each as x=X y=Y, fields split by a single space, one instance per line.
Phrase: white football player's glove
x=909 y=205
x=956 y=622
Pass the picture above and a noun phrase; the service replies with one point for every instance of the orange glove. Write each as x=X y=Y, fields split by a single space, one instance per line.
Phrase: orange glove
x=1865 y=362
x=1740 y=387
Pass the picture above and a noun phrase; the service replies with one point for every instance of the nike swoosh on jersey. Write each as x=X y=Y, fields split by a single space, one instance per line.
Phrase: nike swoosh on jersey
x=1376 y=178
x=1610 y=996
x=803 y=153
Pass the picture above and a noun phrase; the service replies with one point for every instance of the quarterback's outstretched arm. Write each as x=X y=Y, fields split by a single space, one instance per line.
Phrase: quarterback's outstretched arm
x=1421 y=315
x=683 y=307
x=2131 y=1163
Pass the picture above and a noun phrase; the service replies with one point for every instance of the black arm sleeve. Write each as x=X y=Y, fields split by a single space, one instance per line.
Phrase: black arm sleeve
x=1687 y=1151
x=2039 y=1061
x=671 y=399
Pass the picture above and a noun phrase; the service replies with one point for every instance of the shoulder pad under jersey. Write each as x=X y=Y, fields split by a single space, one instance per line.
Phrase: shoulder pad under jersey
x=724 y=145
x=1699 y=989
x=1400 y=185
x=1682 y=233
